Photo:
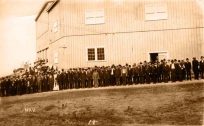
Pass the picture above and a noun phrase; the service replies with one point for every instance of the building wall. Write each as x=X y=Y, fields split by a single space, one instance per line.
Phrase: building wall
x=42 y=35
x=201 y=6
x=127 y=48
x=126 y=36
x=129 y=16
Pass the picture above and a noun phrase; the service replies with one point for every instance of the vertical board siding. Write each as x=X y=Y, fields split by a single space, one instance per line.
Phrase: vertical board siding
x=125 y=35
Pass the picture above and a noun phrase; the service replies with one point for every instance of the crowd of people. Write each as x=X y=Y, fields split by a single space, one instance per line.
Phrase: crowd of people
x=49 y=79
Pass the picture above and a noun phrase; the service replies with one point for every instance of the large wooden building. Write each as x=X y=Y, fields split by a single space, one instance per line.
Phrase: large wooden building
x=78 y=33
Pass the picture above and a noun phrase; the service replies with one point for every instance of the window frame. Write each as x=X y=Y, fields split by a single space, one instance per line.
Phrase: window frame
x=156 y=10
x=55 y=27
x=96 y=54
x=99 y=14
x=91 y=56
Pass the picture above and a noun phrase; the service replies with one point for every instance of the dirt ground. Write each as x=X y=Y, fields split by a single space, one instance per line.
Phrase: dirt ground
x=154 y=104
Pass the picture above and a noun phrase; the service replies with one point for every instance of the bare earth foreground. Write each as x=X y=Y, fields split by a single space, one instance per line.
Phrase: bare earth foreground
x=180 y=103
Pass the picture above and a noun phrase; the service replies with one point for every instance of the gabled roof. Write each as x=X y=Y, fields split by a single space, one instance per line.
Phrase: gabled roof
x=52 y=5
x=52 y=2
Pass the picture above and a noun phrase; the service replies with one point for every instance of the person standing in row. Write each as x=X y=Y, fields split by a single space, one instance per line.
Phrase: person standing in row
x=124 y=75
x=117 y=75
x=202 y=67
x=188 y=69
x=95 y=78
x=195 y=65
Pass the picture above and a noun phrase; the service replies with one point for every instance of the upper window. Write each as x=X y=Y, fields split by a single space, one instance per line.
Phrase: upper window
x=55 y=27
x=56 y=57
x=94 y=17
x=156 y=11
x=96 y=54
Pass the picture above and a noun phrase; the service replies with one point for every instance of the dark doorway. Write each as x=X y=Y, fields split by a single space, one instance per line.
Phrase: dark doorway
x=153 y=57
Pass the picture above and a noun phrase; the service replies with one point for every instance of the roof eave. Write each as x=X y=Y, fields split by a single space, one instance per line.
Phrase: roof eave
x=43 y=7
x=52 y=6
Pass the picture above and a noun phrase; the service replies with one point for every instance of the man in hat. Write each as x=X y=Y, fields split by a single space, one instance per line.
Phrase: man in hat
x=1 y=87
x=71 y=80
x=83 y=78
x=102 y=76
x=29 y=84
x=107 y=75
x=188 y=69
x=95 y=77
x=202 y=67
x=124 y=75
x=76 y=78
x=2 y=84
x=117 y=75
x=89 y=77
x=62 y=80
x=112 y=75
x=195 y=65
x=50 y=82
x=39 y=82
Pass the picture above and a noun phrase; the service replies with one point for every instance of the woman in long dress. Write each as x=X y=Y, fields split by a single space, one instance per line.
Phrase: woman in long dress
x=56 y=85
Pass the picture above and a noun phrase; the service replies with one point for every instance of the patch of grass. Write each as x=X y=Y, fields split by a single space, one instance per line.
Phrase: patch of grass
x=5 y=107
x=166 y=105
x=49 y=107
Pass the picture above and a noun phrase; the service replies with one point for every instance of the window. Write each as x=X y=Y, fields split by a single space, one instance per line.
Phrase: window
x=38 y=55
x=94 y=17
x=56 y=57
x=55 y=27
x=118 y=2
x=155 y=12
x=42 y=54
x=96 y=54
x=91 y=54
x=100 y=54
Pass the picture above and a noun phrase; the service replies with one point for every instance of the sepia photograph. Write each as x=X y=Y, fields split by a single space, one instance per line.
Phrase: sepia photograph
x=101 y=62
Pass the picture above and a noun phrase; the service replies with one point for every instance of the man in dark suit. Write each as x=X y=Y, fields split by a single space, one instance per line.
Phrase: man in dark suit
x=135 y=73
x=112 y=75
x=83 y=78
x=195 y=65
x=2 y=87
x=89 y=78
x=148 y=73
x=178 y=70
x=62 y=80
x=188 y=69
x=107 y=76
x=71 y=79
x=202 y=67
x=103 y=76
x=166 y=72
x=8 y=86
x=66 y=80
x=117 y=75
x=141 y=73
x=154 y=72
x=51 y=82
x=173 y=70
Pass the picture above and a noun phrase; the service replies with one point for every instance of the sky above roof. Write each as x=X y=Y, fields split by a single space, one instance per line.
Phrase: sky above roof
x=17 y=33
